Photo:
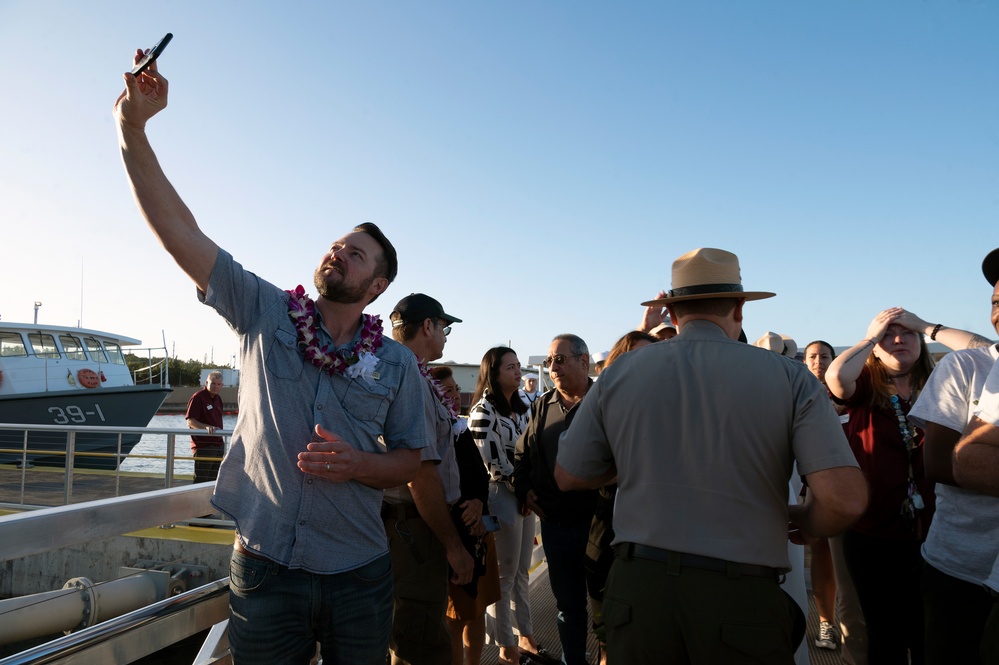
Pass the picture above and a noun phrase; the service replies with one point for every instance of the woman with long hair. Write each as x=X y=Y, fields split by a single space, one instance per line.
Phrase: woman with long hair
x=496 y=420
x=878 y=380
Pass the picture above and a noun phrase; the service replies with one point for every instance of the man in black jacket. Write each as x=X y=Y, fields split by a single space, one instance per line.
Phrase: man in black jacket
x=565 y=516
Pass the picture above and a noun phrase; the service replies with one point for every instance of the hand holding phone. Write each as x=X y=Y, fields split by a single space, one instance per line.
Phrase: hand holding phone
x=151 y=56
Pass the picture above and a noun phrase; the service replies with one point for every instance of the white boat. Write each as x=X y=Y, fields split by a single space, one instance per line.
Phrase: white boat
x=54 y=375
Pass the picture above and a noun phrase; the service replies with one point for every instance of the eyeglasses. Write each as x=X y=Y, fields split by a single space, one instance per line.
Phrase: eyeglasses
x=446 y=329
x=558 y=358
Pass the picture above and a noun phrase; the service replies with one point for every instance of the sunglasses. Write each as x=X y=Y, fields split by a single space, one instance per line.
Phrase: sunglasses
x=446 y=329
x=559 y=358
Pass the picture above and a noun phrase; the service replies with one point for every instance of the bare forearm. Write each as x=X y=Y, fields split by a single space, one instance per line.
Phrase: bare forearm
x=952 y=338
x=841 y=377
x=391 y=469
x=976 y=458
x=428 y=494
x=836 y=498
x=566 y=481
x=163 y=209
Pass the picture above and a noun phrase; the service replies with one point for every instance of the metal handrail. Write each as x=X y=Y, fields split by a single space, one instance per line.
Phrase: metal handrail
x=72 y=430
x=104 y=633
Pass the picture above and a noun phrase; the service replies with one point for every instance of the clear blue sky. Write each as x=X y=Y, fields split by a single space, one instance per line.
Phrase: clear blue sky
x=538 y=165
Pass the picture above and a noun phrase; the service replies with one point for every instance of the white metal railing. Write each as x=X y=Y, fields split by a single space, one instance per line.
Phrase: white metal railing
x=142 y=631
x=70 y=454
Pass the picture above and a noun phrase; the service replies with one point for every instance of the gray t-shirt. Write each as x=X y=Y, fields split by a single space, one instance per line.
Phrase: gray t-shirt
x=297 y=519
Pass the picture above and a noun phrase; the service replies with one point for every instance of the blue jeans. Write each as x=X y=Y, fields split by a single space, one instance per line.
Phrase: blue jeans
x=565 y=550
x=276 y=614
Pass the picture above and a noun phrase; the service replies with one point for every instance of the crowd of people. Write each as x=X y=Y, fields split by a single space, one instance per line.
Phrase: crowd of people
x=375 y=521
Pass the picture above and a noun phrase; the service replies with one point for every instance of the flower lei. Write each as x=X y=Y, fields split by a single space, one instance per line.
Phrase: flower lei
x=438 y=389
x=360 y=362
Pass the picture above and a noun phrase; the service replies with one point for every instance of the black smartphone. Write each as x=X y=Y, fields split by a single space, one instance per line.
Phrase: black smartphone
x=154 y=53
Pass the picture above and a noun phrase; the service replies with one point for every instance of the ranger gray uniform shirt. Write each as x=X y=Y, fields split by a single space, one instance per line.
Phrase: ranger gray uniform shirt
x=704 y=431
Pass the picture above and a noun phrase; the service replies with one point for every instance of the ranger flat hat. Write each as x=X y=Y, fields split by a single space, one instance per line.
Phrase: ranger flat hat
x=990 y=267
x=707 y=273
x=662 y=326
x=781 y=344
x=416 y=308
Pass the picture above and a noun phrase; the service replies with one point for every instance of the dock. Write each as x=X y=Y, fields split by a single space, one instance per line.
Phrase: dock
x=45 y=486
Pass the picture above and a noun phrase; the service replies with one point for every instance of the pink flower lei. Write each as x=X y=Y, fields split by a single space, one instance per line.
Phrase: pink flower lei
x=438 y=389
x=360 y=362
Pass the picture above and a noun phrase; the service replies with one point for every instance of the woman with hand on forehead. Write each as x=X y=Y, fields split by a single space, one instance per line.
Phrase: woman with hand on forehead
x=878 y=380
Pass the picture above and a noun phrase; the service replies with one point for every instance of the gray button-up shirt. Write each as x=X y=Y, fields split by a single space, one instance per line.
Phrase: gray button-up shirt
x=297 y=519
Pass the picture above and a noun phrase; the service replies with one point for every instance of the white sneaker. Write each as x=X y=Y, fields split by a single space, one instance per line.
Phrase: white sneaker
x=827 y=636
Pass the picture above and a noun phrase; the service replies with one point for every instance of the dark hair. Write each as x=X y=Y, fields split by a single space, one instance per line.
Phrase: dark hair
x=442 y=373
x=627 y=343
x=705 y=306
x=388 y=265
x=822 y=343
x=486 y=385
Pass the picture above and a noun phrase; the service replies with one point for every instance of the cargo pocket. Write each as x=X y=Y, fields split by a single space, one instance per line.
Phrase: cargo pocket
x=617 y=613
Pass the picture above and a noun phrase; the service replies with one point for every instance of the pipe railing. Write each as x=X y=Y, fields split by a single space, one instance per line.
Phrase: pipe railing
x=71 y=453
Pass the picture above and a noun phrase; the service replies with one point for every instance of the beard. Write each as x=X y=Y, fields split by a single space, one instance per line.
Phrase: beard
x=341 y=292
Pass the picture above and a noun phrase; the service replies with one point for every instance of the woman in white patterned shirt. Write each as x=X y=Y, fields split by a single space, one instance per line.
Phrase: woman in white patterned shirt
x=496 y=419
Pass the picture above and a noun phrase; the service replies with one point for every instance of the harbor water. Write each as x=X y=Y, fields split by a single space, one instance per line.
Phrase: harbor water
x=149 y=454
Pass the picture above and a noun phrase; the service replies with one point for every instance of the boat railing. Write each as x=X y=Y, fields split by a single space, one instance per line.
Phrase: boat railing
x=139 y=632
x=157 y=369
x=163 y=468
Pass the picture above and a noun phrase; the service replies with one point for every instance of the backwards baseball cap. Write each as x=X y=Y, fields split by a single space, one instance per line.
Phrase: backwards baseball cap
x=990 y=267
x=416 y=308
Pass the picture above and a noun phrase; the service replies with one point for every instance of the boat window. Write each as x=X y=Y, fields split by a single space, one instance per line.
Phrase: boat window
x=72 y=347
x=11 y=344
x=43 y=344
x=115 y=352
x=96 y=350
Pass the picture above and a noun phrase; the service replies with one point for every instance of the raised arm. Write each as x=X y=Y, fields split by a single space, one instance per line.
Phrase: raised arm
x=952 y=338
x=167 y=215
x=653 y=315
x=842 y=375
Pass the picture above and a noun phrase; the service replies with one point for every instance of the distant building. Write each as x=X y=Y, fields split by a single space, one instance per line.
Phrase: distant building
x=230 y=377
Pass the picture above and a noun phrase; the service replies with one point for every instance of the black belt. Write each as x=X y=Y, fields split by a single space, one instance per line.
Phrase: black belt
x=679 y=560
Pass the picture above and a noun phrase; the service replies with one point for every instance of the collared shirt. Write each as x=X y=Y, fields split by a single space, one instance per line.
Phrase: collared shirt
x=537 y=450
x=297 y=519
x=205 y=408
x=440 y=423
x=704 y=431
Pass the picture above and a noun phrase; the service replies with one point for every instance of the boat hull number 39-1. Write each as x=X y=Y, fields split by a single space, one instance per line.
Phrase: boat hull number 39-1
x=74 y=414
